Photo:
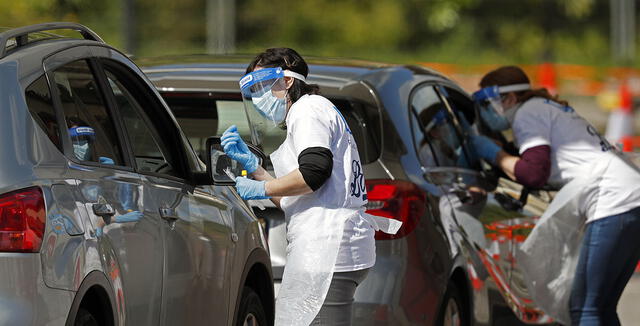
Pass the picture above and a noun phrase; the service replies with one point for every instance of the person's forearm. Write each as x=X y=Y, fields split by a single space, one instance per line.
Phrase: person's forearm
x=507 y=163
x=292 y=184
x=261 y=174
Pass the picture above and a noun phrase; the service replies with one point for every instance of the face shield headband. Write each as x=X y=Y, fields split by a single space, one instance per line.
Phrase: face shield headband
x=492 y=95
x=489 y=100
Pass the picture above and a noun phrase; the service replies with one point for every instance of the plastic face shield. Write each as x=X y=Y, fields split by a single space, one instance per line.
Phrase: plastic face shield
x=82 y=139
x=264 y=98
x=264 y=94
x=492 y=95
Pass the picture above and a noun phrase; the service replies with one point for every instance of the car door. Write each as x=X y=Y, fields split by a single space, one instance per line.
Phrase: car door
x=130 y=238
x=198 y=237
x=507 y=215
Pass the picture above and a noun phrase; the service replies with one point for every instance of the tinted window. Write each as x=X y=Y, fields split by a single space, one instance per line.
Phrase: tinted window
x=41 y=107
x=89 y=124
x=363 y=122
x=150 y=156
x=463 y=108
x=435 y=135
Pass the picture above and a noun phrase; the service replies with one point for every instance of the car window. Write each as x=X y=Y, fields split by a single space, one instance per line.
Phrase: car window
x=464 y=111
x=149 y=155
x=363 y=122
x=435 y=137
x=41 y=108
x=90 y=126
x=201 y=117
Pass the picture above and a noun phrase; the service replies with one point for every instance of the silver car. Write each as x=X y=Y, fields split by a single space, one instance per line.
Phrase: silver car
x=453 y=262
x=107 y=216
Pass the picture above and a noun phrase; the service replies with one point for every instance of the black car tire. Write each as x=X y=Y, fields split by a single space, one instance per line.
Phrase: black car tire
x=452 y=311
x=251 y=312
x=85 y=318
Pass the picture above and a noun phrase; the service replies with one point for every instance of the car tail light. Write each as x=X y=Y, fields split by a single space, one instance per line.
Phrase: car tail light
x=22 y=220
x=400 y=200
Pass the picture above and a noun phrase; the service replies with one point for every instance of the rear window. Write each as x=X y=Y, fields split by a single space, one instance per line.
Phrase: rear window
x=204 y=115
x=41 y=108
x=363 y=122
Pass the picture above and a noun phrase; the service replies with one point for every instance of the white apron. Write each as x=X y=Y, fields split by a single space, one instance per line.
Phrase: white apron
x=550 y=254
x=314 y=234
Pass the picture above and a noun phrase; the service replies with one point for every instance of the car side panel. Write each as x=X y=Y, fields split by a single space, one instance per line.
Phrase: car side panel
x=24 y=298
x=250 y=239
x=197 y=247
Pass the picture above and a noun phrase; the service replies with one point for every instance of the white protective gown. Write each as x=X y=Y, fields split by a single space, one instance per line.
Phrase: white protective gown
x=596 y=183
x=315 y=221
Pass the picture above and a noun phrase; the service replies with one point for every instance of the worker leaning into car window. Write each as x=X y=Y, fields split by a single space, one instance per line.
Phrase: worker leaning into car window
x=319 y=185
x=557 y=147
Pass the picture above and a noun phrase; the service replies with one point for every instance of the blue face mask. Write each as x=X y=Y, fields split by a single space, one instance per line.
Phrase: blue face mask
x=493 y=120
x=271 y=107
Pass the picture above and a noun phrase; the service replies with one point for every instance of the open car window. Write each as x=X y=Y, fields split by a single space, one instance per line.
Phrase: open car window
x=464 y=122
x=437 y=138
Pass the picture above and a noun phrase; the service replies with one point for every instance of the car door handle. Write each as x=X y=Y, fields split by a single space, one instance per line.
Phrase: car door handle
x=103 y=210
x=168 y=214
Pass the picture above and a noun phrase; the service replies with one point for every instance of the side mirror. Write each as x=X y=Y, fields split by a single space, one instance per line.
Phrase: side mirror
x=221 y=168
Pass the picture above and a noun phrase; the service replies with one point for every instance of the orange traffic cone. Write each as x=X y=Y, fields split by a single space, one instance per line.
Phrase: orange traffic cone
x=620 y=124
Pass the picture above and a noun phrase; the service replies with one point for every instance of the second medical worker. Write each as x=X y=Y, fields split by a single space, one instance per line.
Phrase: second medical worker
x=319 y=185
x=598 y=185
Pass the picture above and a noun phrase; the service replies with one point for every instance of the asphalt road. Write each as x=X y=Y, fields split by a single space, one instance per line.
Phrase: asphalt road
x=629 y=305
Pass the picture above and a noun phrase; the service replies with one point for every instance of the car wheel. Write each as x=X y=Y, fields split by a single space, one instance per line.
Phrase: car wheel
x=85 y=318
x=251 y=312
x=452 y=311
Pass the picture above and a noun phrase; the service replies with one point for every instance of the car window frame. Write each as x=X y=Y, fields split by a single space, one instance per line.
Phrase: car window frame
x=177 y=155
x=59 y=59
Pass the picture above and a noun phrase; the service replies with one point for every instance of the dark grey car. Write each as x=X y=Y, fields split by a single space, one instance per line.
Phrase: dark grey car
x=123 y=226
x=452 y=263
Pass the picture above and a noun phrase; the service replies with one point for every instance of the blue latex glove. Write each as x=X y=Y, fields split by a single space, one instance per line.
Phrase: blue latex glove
x=99 y=231
x=236 y=149
x=485 y=148
x=106 y=160
x=129 y=217
x=250 y=189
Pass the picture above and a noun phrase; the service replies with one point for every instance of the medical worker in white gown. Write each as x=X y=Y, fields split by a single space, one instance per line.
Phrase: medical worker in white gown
x=319 y=184
x=600 y=193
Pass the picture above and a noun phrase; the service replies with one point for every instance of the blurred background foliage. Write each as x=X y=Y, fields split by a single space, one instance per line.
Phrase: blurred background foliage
x=451 y=31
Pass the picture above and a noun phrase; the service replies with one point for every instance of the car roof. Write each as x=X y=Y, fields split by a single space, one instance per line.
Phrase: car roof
x=324 y=70
x=28 y=46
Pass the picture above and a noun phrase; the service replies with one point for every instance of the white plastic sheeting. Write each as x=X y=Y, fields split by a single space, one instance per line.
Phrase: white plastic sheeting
x=549 y=256
x=314 y=240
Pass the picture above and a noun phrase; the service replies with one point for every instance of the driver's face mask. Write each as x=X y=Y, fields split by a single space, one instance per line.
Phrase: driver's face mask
x=82 y=137
x=489 y=100
x=81 y=150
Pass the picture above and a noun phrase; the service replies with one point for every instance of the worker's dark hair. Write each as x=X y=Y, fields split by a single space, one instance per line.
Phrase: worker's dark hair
x=509 y=75
x=287 y=59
